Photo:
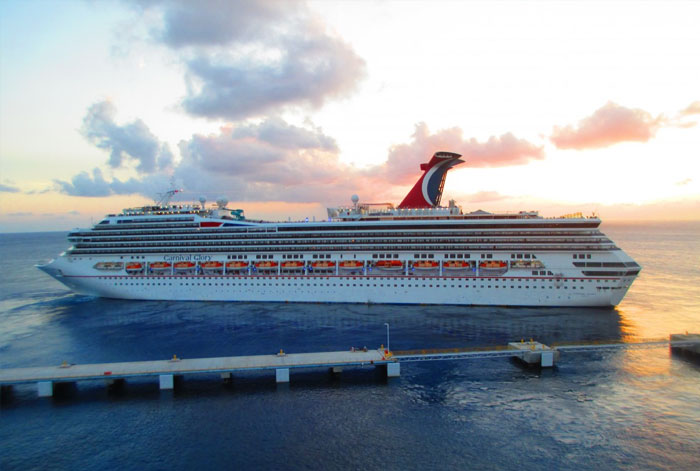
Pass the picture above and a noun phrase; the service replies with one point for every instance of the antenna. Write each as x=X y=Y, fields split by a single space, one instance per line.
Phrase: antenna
x=165 y=198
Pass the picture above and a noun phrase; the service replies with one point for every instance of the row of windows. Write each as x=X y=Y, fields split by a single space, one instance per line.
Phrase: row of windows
x=340 y=233
x=374 y=279
x=323 y=242
x=340 y=248
x=361 y=285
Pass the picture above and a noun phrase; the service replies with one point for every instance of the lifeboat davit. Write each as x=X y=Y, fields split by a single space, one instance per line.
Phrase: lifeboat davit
x=134 y=267
x=393 y=265
x=236 y=266
x=293 y=265
x=455 y=265
x=425 y=265
x=159 y=267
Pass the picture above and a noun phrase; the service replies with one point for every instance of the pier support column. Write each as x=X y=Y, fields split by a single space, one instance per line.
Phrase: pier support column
x=282 y=375
x=547 y=359
x=166 y=381
x=45 y=388
x=226 y=376
x=393 y=370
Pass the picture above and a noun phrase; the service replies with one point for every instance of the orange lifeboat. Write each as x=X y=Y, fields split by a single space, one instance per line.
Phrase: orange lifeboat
x=236 y=265
x=212 y=266
x=159 y=267
x=389 y=264
x=493 y=264
x=351 y=264
x=181 y=266
x=266 y=265
x=455 y=265
x=323 y=264
x=134 y=267
x=293 y=265
x=425 y=265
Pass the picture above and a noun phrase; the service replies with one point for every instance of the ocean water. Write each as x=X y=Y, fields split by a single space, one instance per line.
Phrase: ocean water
x=626 y=409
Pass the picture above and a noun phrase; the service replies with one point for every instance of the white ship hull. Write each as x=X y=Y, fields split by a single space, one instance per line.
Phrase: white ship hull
x=385 y=288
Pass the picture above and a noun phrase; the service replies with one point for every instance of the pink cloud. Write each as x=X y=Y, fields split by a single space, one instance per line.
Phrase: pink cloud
x=607 y=126
x=404 y=159
x=693 y=108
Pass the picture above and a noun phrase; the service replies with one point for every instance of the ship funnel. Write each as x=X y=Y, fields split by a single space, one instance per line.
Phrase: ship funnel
x=427 y=191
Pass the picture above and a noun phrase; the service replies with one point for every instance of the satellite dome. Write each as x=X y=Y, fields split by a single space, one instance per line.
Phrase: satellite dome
x=202 y=199
x=221 y=202
x=355 y=199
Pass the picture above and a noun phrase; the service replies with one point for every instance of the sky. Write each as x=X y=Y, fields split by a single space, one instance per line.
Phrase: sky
x=286 y=108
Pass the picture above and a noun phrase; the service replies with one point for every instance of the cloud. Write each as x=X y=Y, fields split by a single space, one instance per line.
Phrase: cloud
x=608 y=126
x=8 y=188
x=128 y=142
x=246 y=58
x=484 y=196
x=91 y=185
x=506 y=150
x=20 y=214
x=693 y=108
x=275 y=160
x=266 y=161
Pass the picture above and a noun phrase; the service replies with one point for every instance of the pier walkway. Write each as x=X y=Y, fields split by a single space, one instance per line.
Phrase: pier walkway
x=530 y=353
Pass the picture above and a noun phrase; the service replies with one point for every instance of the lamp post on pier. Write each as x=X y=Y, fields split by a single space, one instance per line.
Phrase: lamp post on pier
x=388 y=347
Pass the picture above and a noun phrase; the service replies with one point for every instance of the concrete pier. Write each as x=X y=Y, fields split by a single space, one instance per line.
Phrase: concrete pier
x=168 y=371
x=534 y=353
x=686 y=344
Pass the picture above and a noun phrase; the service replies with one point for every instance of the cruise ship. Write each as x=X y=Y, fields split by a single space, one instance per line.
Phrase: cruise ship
x=418 y=252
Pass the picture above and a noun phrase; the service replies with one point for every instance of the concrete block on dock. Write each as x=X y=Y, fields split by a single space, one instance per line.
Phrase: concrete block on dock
x=393 y=370
x=166 y=381
x=282 y=375
x=534 y=353
x=45 y=388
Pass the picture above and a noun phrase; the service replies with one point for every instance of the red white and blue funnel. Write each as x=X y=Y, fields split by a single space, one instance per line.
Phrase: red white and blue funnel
x=427 y=191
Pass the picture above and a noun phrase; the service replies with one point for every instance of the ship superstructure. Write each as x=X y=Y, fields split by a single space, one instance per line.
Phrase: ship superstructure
x=417 y=253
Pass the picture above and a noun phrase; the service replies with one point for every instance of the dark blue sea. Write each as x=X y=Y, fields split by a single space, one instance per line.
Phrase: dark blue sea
x=625 y=409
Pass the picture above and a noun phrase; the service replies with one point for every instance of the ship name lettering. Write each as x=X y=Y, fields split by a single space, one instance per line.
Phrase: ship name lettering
x=187 y=258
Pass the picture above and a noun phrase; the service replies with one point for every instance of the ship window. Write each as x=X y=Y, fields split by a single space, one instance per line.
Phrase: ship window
x=588 y=255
